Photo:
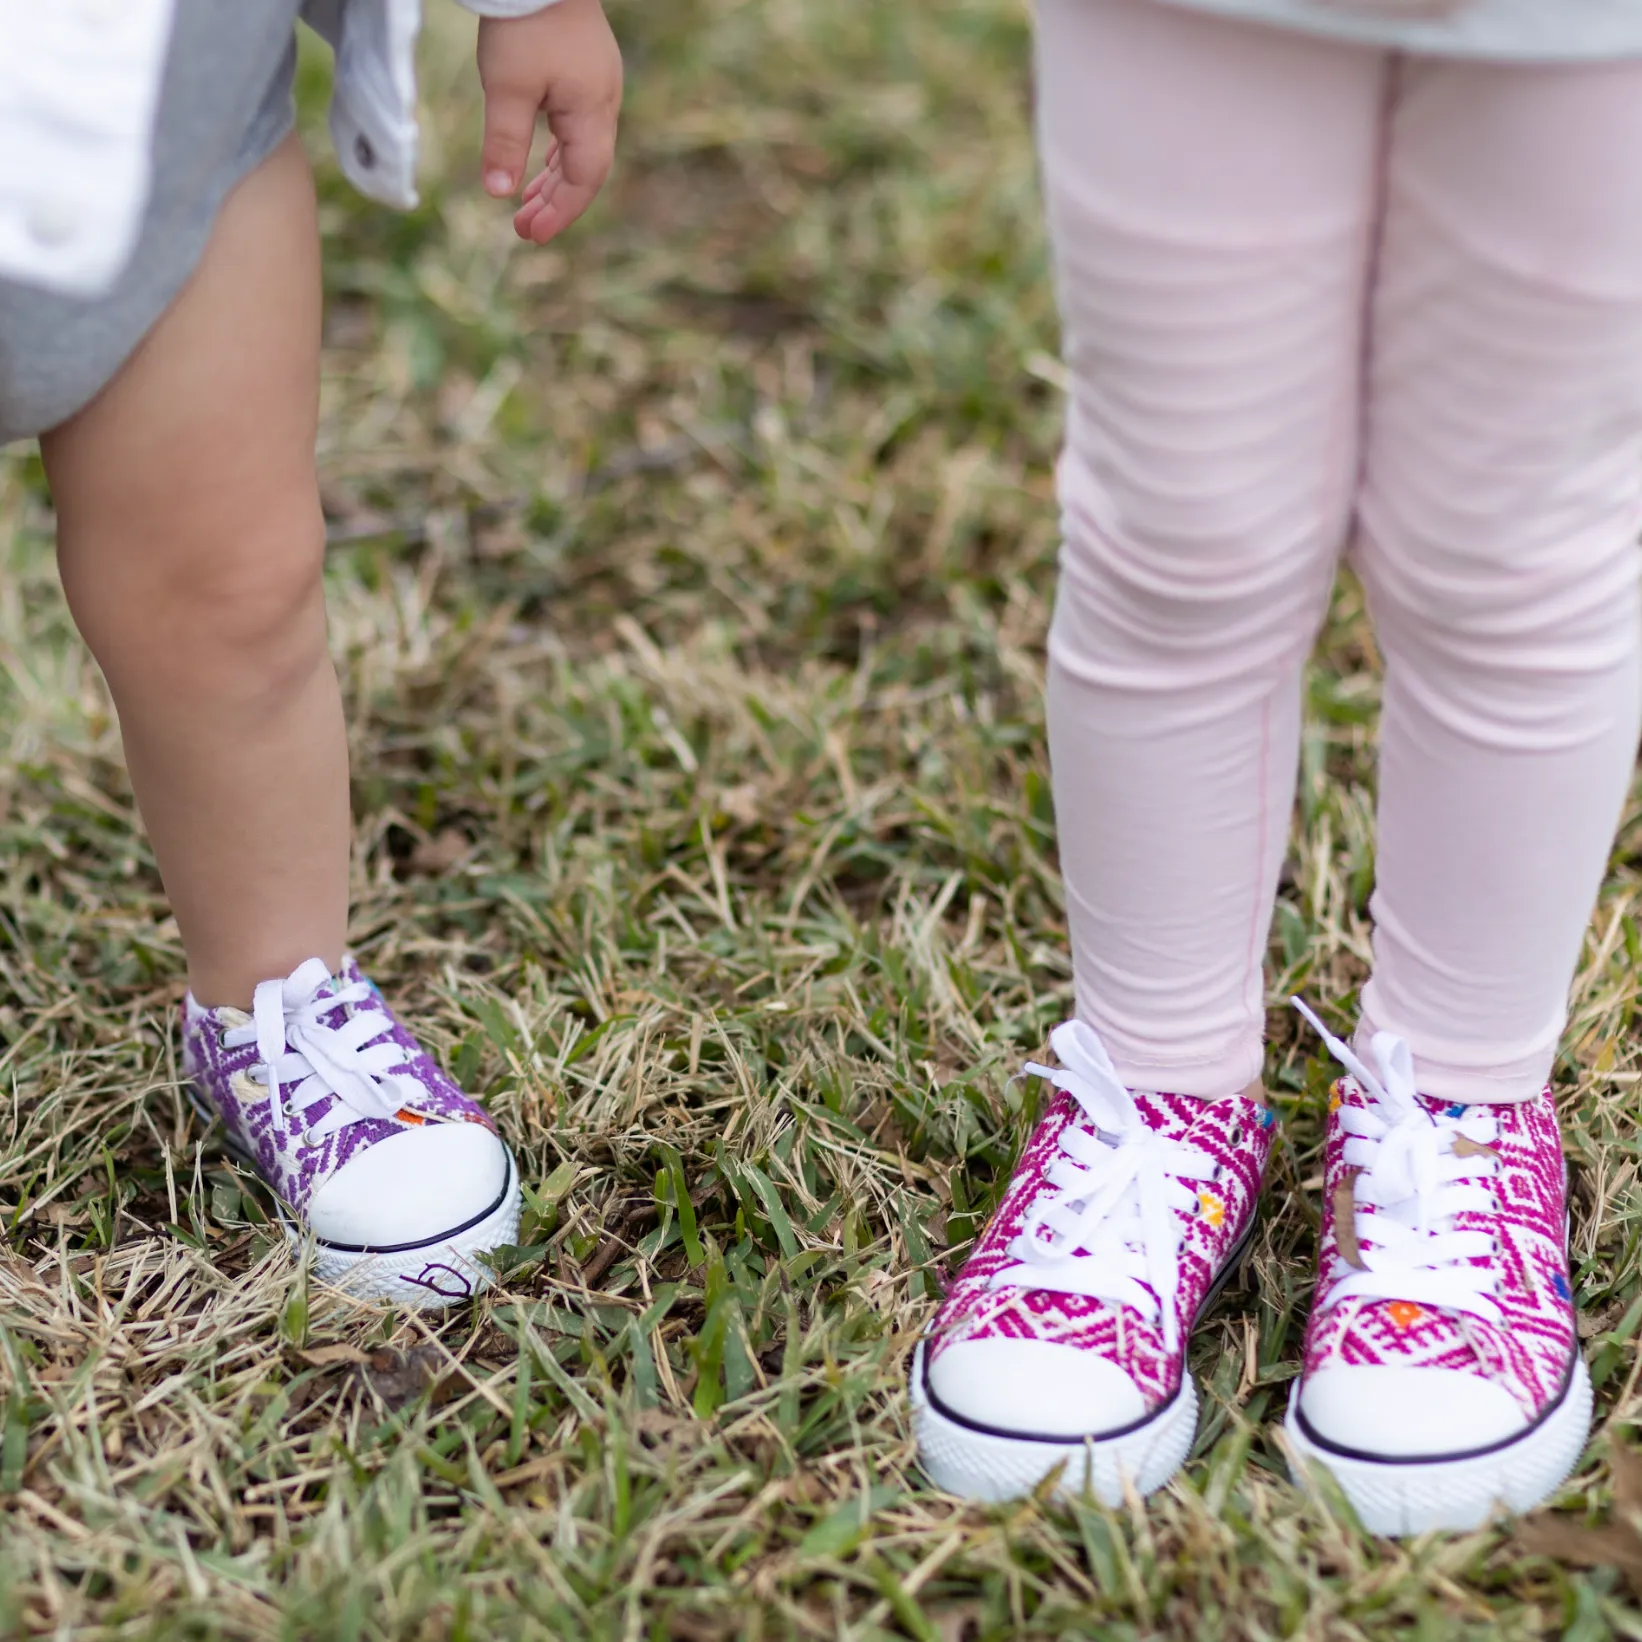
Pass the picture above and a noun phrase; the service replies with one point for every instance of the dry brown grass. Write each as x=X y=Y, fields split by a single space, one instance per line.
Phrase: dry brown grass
x=689 y=588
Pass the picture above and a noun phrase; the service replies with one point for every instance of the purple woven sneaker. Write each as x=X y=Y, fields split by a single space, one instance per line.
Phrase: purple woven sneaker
x=1062 y=1342
x=399 y=1179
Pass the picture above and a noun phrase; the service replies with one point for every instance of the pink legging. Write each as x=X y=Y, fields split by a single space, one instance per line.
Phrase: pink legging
x=1320 y=296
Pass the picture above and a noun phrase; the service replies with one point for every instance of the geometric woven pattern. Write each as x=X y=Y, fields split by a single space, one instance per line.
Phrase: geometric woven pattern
x=1236 y=1132
x=277 y=1143
x=1531 y=1349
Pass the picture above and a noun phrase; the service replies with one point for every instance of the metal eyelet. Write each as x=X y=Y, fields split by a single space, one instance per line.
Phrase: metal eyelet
x=222 y=1041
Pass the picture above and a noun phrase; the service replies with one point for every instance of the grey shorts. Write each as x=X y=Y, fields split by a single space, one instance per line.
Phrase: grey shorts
x=224 y=107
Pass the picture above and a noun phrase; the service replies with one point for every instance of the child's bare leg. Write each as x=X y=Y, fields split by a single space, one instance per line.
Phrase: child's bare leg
x=191 y=542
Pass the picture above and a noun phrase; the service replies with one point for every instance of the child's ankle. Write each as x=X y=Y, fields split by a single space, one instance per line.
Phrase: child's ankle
x=233 y=985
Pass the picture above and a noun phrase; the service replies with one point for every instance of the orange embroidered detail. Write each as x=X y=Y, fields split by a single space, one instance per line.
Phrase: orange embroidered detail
x=1212 y=1208
x=416 y=1119
x=1335 y=1098
x=1404 y=1313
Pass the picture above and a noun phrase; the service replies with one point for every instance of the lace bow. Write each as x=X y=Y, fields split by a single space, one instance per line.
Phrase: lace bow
x=1410 y=1173
x=1111 y=1225
x=306 y=1054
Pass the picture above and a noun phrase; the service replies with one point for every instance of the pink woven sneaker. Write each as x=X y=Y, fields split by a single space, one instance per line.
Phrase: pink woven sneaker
x=1063 y=1340
x=1442 y=1375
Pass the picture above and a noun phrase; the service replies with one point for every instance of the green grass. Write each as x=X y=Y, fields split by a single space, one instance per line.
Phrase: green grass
x=689 y=588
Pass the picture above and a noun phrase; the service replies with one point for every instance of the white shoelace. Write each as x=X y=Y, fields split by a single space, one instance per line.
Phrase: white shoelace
x=1112 y=1226
x=1416 y=1181
x=302 y=1058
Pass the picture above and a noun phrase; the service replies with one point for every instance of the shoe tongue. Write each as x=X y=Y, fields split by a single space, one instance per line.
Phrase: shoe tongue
x=1443 y=1108
x=1168 y=1115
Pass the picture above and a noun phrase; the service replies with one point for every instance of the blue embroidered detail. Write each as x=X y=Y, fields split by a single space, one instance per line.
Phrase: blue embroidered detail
x=1559 y=1287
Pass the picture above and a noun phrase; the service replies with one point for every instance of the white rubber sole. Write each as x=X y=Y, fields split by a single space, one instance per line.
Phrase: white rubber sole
x=427 y=1276
x=977 y=1463
x=1413 y=1496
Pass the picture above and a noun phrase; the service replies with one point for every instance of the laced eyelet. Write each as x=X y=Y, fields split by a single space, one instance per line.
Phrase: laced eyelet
x=222 y=1041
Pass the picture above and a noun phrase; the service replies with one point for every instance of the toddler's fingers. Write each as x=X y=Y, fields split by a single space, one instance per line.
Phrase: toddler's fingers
x=539 y=221
x=525 y=218
x=568 y=203
x=510 y=126
x=586 y=139
x=549 y=168
x=539 y=195
x=577 y=167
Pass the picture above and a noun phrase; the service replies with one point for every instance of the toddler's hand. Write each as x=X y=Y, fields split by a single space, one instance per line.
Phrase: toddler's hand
x=563 y=62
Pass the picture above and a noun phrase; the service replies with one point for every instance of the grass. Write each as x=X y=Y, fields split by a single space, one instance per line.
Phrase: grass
x=689 y=586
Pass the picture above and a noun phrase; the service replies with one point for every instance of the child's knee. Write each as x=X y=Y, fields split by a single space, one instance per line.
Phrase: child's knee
x=1200 y=573
x=1569 y=603
x=230 y=608
x=1530 y=651
x=264 y=595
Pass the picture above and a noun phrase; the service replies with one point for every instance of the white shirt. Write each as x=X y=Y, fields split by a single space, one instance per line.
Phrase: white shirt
x=79 y=94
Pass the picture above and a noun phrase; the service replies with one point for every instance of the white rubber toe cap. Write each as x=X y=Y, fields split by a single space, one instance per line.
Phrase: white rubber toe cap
x=1408 y=1413
x=1034 y=1387
x=413 y=1187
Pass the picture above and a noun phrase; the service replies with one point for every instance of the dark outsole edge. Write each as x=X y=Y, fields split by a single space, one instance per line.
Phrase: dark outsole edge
x=1233 y=1264
x=428 y=1242
x=1362 y=1456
